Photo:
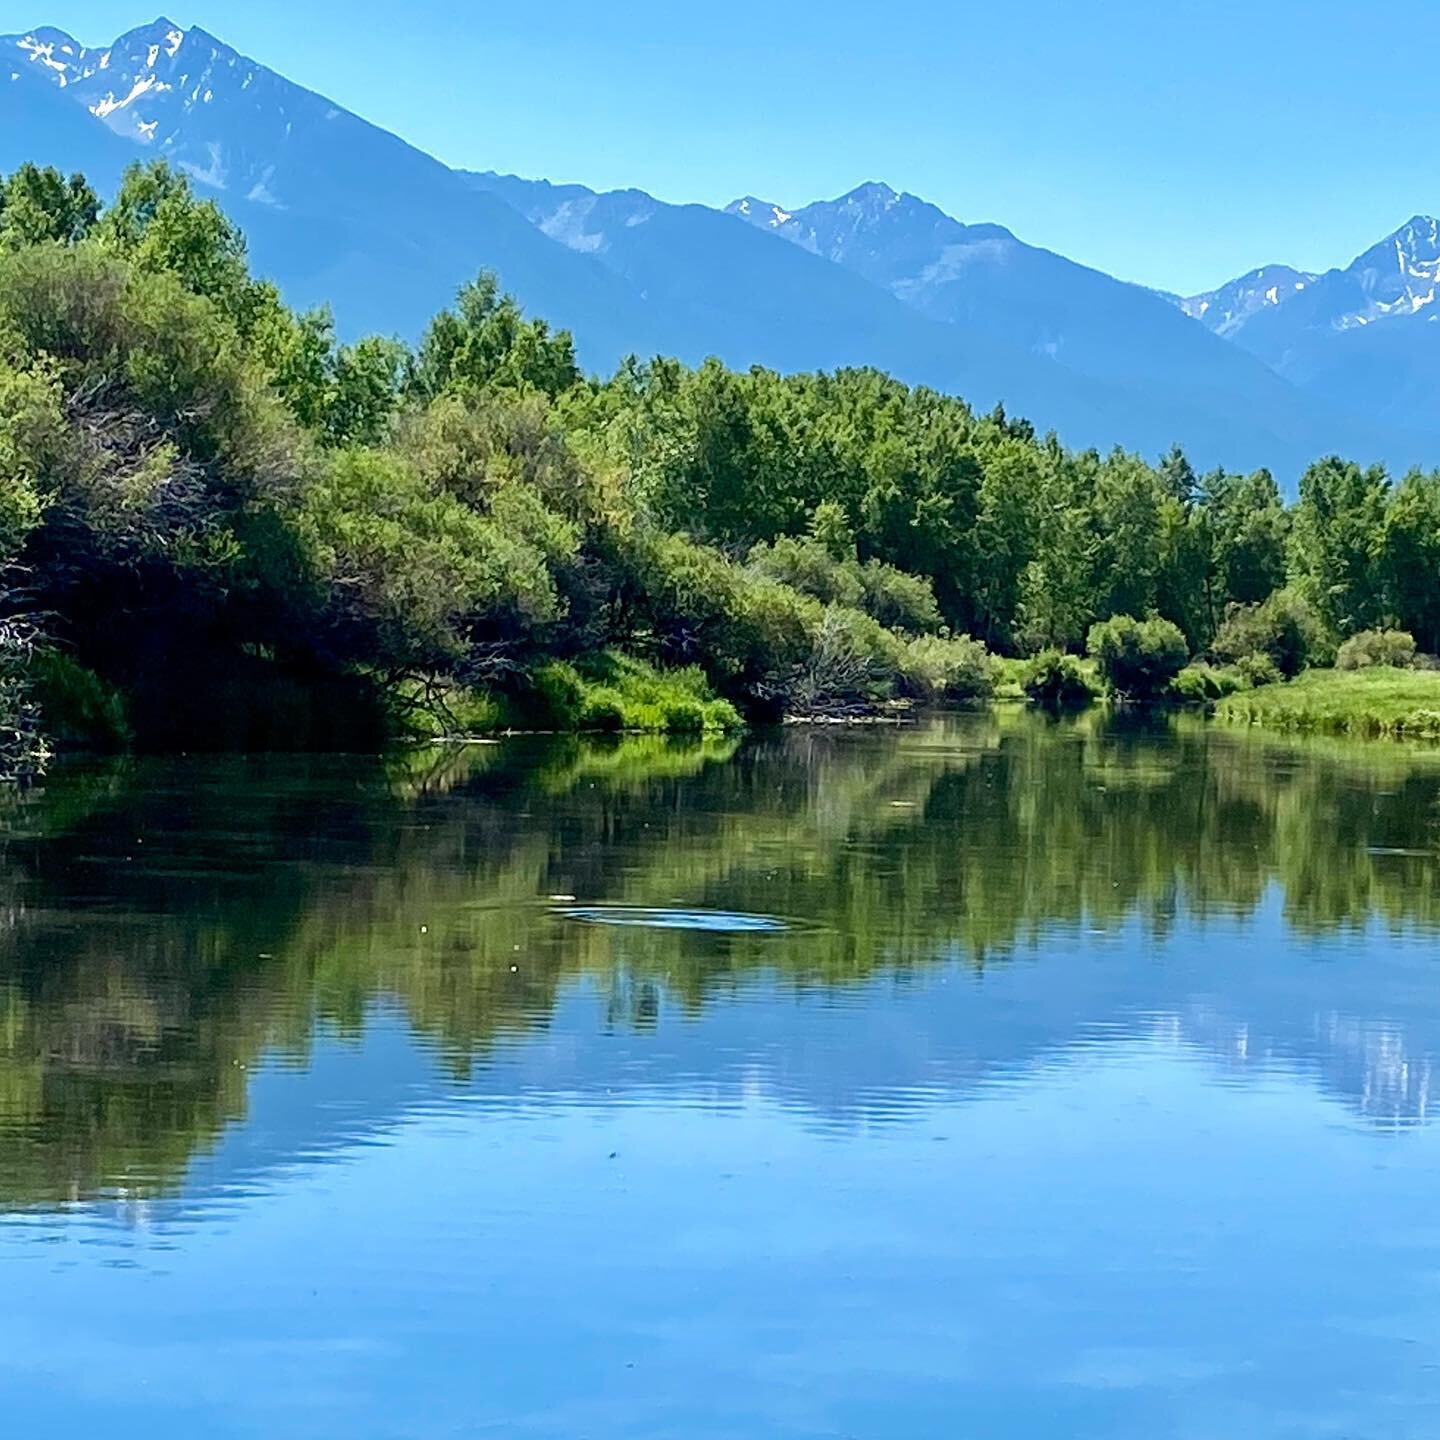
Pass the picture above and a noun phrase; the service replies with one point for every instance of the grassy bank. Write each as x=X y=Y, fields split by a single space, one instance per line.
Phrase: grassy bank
x=1378 y=701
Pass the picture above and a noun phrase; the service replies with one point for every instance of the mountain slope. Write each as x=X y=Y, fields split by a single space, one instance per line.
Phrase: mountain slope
x=37 y=121
x=1366 y=336
x=1226 y=311
x=748 y=301
x=1131 y=369
x=334 y=207
x=982 y=277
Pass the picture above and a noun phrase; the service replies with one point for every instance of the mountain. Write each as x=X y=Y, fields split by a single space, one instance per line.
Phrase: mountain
x=1227 y=310
x=335 y=208
x=1366 y=336
x=734 y=294
x=1090 y=355
x=982 y=277
x=339 y=211
x=36 y=120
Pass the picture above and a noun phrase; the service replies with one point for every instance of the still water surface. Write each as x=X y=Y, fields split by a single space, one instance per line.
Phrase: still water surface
x=989 y=1079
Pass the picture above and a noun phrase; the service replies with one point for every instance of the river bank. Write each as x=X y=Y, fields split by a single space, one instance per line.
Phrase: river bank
x=1380 y=701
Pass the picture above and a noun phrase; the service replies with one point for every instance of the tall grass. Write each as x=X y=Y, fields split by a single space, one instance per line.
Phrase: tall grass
x=1377 y=701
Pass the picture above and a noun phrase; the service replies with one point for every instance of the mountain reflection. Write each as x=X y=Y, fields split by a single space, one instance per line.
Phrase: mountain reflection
x=968 y=900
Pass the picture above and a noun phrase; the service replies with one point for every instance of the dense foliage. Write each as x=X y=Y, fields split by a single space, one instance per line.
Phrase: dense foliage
x=1056 y=681
x=236 y=530
x=1393 y=648
x=1139 y=659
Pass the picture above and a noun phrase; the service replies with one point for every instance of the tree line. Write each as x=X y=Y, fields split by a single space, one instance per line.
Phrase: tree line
x=220 y=523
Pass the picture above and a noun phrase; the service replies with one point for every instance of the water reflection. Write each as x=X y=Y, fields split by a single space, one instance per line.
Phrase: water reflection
x=970 y=898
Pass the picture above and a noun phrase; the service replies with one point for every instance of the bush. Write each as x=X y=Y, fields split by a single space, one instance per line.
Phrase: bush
x=555 y=697
x=1377 y=647
x=1056 y=681
x=76 y=706
x=806 y=565
x=1138 y=658
x=935 y=667
x=683 y=715
x=623 y=693
x=853 y=660
x=898 y=599
x=1285 y=628
x=603 y=709
x=440 y=710
x=1200 y=684
x=1258 y=669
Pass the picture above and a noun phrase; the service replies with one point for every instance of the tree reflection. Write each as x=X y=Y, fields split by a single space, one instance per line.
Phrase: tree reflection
x=168 y=925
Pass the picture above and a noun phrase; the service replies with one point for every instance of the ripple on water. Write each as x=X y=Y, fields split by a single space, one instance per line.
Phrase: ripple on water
x=658 y=918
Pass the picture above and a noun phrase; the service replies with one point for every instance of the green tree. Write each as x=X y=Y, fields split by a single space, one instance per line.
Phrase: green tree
x=1138 y=658
x=1336 y=540
x=38 y=205
x=1410 y=558
x=487 y=341
x=157 y=224
x=1249 y=531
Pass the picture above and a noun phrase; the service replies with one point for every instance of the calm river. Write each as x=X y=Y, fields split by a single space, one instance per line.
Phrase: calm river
x=996 y=1078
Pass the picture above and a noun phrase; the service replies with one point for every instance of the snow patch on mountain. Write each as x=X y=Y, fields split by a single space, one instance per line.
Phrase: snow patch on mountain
x=1395 y=280
x=1227 y=308
x=759 y=212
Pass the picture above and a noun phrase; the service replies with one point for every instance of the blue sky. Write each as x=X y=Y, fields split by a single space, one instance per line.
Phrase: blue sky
x=1174 y=144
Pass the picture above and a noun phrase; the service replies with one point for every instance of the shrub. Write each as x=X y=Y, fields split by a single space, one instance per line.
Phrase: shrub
x=683 y=715
x=1200 y=683
x=1285 y=628
x=1258 y=669
x=1056 y=681
x=438 y=710
x=722 y=715
x=76 y=706
x=1377 y=647
x=1138 y=658
x=898 y=599
x=555 y=697
x=853 y=660
x=623 y=693
x=808 y=566
x=935 y=667
x=603 y=709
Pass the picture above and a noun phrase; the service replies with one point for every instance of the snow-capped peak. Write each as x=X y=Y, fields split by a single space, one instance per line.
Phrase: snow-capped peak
x=58 y=56
x=179 y=92
x=52 y=52
x=1398 y=276
x=760 y=212
x=1226 y=309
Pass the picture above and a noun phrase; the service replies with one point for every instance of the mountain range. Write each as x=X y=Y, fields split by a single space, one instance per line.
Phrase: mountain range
x=1366 y=337
x=1275 y=368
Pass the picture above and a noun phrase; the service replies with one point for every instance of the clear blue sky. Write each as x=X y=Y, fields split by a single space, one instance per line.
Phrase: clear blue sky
x=1175 y=143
